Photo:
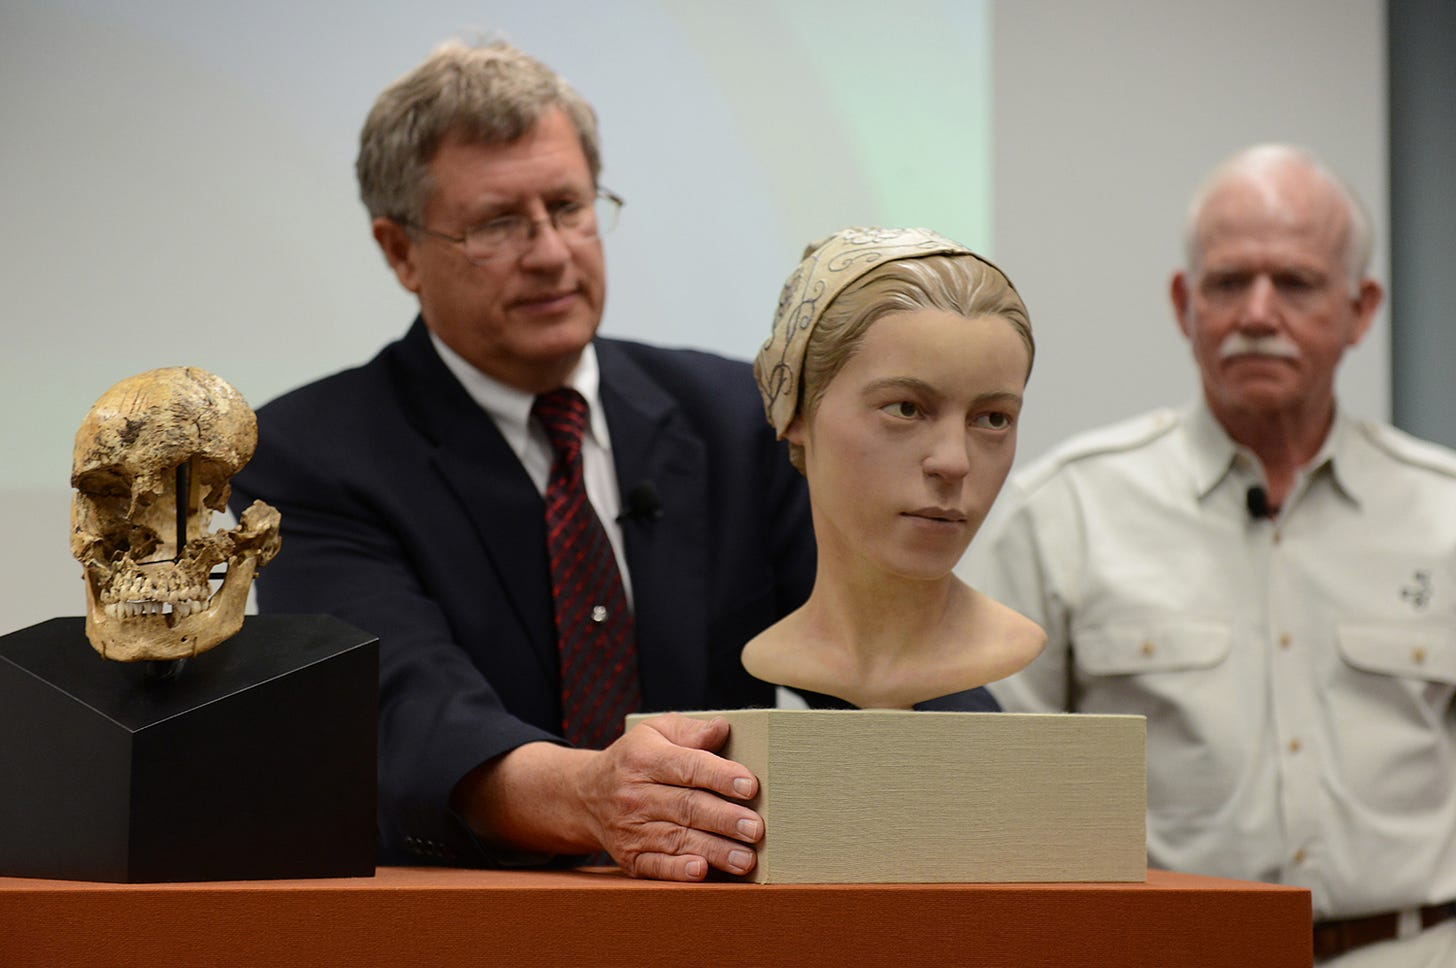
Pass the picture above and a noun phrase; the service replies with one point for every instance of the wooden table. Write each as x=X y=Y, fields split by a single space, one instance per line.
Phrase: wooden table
x=425 y=916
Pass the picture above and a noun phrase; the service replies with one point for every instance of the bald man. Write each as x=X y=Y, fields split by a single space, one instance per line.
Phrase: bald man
x=1269 y=580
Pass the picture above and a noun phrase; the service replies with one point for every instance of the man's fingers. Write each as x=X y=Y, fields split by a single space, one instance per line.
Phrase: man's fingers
x=666 y=867
x=727 y=856
x=700 y=734
x=692 y=763
x=698 y=770
x=696 y=810
x=645 y=809
x=667 y=806
x=653 y=822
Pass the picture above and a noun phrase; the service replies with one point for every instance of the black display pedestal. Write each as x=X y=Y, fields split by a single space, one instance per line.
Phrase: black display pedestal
x=255 y=760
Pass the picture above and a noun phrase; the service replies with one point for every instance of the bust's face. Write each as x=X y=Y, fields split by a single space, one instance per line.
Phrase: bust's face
x=912 y=440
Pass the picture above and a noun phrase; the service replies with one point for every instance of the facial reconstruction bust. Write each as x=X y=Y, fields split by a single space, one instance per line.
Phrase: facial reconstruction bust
x=142 y=541
x=895 y=371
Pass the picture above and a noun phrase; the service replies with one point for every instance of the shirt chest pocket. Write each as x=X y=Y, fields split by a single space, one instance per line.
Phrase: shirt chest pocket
x=1409 y=652
x=1140 y=648
x=1390 y=702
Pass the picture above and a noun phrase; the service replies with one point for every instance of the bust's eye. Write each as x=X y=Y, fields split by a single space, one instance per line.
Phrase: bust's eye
x=902 y=408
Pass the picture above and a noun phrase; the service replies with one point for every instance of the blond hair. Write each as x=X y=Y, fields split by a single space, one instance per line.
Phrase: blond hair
x=962 y=284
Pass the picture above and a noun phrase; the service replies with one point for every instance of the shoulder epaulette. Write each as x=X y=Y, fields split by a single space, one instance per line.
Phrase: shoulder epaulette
x=1115 y=438
x=1407 y=449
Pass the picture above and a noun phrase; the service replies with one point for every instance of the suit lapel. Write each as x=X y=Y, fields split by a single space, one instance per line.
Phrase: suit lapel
x=493 y=491
x=667 y=557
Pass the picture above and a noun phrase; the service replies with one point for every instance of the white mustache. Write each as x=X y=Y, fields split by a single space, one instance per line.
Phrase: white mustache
x=1238 y=344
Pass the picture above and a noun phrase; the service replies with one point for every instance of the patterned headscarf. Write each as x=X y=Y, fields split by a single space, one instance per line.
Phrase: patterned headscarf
x=829 y=266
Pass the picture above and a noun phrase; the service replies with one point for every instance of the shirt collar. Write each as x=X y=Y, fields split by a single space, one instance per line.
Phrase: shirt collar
x=1213 y=454
x=1338 y=455
x=511 y=408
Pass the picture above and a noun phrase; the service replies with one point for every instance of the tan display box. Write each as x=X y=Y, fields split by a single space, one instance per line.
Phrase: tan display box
x=888 y=796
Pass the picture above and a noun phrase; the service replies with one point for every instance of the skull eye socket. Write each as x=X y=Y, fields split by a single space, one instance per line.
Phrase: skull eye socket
x=212 y=479
x=104 y=482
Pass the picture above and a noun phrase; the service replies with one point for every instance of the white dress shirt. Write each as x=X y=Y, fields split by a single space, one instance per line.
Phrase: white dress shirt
x=510 y=409
x=1297 y=673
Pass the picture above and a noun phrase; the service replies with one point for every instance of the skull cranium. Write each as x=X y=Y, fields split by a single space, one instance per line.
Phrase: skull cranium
x=152 y=463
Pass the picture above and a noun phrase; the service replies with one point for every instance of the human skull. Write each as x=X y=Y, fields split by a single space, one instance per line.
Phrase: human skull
x=148 y=594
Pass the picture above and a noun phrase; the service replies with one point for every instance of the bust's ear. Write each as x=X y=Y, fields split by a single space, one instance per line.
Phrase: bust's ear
x=794 y=432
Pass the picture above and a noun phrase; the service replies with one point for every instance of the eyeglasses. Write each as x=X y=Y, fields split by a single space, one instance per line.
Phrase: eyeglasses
x=510 y=235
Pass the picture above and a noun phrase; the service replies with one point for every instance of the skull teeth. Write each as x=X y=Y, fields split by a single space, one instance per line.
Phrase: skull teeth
x=180 y=607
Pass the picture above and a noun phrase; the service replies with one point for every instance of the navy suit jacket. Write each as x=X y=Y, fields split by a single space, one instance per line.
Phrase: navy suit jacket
x=406 y=514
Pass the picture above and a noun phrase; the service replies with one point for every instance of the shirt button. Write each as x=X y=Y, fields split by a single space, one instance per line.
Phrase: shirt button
x=1285 y=641
x=599 y=613
x=1418 y=655
x=1277 y=537
x=1298 y=857
x=1295 y=745
x=1149 y=648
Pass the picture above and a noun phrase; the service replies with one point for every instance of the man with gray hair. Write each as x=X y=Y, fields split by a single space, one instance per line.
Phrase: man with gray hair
x=547 y=529
x=1269 y=580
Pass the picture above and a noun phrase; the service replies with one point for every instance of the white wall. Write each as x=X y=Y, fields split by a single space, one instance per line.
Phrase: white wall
x=178 y=181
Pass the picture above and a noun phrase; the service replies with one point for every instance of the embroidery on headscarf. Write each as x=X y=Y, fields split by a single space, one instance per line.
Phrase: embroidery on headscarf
x=828 y=266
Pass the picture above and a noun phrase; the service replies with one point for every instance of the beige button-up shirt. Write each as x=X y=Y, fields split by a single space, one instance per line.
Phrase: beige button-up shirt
x=1297 y=673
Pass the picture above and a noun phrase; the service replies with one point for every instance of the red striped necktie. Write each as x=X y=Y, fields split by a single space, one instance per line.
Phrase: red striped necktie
x=594 y=631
